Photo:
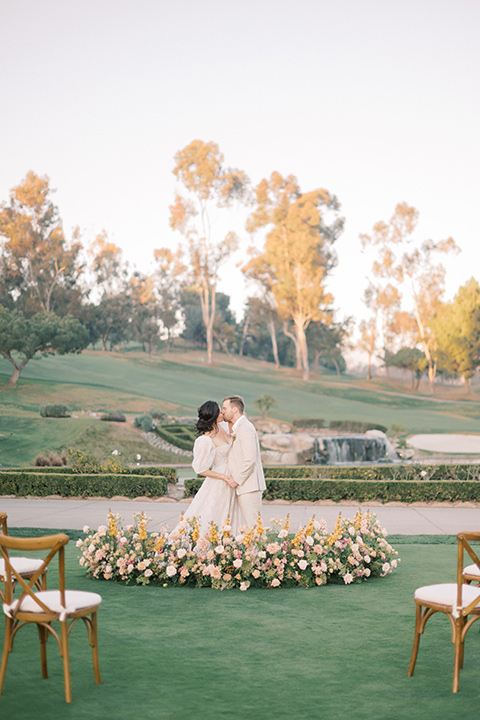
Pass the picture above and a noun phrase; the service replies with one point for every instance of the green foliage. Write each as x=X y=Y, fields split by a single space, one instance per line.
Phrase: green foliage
x=311 y=489
x=309 y=423
x=155 y=471
x=40 y=484
x=146 y=422
x=264 y=403
x=113 y=417
x=182 y=436
x=355 y=426
x=158 y=414
x=54 y=411
x=21 y=338
x=82 y=462
x=457 y=473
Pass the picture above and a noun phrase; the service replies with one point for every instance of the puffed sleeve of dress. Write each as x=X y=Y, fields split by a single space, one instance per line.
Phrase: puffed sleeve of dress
x=203 y=454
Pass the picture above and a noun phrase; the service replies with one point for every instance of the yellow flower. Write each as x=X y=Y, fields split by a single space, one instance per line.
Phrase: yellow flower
x=159 y=544
x=286 y=525
x=112 y=526
x=195 y=531
x=142 y=527
x=213 y=534
x=226 y=528
x=337 y=531
x=259 y=526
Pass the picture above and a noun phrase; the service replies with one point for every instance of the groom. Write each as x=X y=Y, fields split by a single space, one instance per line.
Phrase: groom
x=244 y=460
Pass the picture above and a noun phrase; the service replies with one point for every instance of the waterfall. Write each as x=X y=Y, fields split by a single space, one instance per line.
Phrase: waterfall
x=355 y=449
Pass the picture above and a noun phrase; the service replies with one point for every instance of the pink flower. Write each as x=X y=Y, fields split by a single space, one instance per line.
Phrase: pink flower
x=272 y=548
x=302 y=564
x=181 y=552
x=244 y=585
x=237 y=563
x=148 y=572
x=275 y=582
x=348 y=578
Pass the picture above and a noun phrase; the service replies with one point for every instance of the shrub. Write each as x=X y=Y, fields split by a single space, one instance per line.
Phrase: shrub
x=113 y=417
x=52 y=459
x=313 y=489
x=309 y=423
x=170 y=473
x=378 y=472
x=146 y=422
x=40 y=484
x=355 y=426
x=54 y=411
x=158 y=415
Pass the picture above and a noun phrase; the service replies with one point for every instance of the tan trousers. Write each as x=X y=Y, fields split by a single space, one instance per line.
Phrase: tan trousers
x=250 y=505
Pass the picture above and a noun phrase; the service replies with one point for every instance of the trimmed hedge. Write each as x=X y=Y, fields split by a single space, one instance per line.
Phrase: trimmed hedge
x=402 y=472
x=312 y=489
x=170 y=473
x=41 y=484
x=51 y=410
x=181 y=436
x=317 y=423
x=356 y=426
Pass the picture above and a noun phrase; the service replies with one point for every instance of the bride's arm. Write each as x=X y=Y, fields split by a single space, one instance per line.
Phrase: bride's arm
x=203 y=459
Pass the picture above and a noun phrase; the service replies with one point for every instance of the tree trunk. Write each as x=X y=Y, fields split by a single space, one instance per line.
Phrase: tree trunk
x=467 y=384
x=273 y=338
x=244 y=335
x=298 y=352
x=302 y=342
x=17 y=369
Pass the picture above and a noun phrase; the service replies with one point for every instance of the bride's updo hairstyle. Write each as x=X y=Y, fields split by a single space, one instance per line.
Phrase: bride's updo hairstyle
x=207 y=417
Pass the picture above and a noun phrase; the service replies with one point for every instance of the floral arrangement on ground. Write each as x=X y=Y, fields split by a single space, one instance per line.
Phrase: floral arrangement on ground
x=261 y=557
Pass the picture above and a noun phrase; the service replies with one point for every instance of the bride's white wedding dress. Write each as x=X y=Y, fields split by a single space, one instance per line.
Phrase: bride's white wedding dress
x=215 y=501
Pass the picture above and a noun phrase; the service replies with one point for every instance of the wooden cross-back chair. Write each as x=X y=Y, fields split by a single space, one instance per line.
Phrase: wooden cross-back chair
x=25 y=566
x=44 y=607
x=459 y=601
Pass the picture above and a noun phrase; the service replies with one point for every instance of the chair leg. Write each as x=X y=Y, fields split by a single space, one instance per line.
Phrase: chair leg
x=7 y=646
x=94 y=641
x=416 y=640
x=66 y=662
x=42 y=636
x=458 y=654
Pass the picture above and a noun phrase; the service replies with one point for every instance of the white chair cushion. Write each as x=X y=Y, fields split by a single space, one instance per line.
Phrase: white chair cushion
x=446 y=594
x=74 y=600
x=23 y=565
x=472 y=570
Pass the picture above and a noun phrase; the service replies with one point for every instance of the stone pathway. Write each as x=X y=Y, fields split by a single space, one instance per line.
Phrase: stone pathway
x=161 y=444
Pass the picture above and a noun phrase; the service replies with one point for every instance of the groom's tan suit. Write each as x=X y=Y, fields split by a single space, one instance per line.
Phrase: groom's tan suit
x=245 y=466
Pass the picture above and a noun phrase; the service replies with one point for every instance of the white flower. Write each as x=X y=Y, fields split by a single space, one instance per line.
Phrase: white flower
x=244 y=585
x=138 y=457
x=171 y=570
x=86 y=529
x=351 y=530
x=237 y=563
x=367 y=572
x=219 y=549
x=148 y=572
x=367 y=558
x=302 y=564
x=309 y=540
x=275 y=582
x=348 y=578
x=115 y=452
x=386 y=567
x=181 y=552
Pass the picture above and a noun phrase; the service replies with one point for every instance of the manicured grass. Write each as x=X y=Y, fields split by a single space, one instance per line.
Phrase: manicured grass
x=335 y=652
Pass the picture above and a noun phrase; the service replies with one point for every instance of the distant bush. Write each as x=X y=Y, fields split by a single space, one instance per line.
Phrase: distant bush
x=52 y=459
x=356 y=426
x=158 y=415
x=146 y=422
x=113 y=417
x=170 y=473
x=309 y=423
x=54 y=411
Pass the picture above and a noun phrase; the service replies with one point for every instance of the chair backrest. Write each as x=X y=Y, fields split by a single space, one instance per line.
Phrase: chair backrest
x=54 y=544
x=3 y=523
x=464 y=546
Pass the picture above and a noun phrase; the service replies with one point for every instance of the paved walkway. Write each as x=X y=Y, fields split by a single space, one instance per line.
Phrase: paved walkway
x=397 y=519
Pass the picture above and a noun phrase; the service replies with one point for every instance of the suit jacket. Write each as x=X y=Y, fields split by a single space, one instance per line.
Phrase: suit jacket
x=244 y=459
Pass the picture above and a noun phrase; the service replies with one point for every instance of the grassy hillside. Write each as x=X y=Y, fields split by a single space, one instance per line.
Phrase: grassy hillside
x=133 y=383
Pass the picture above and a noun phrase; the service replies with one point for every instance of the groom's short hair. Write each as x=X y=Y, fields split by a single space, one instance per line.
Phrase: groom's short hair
x=237 y=401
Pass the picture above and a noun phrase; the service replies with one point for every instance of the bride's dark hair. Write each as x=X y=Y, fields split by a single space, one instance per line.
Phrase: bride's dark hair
x=207 y=417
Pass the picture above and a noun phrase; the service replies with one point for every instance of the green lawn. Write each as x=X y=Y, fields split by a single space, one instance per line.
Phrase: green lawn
x=337 y=652
x=133 y=383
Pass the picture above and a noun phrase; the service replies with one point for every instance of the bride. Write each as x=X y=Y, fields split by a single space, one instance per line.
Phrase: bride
x=216 y=500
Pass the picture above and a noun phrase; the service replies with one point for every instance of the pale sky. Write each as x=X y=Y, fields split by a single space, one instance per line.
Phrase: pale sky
x=378 y=101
